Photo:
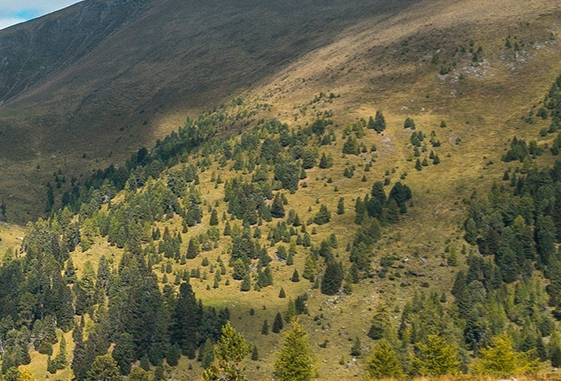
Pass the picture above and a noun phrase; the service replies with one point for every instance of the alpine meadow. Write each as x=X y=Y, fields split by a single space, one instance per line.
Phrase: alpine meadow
x=289 y=190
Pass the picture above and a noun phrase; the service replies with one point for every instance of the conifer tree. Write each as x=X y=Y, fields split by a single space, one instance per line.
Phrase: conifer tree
x=60 y=359
x=239 y=270
x=159 y=374
x=323 y=216
x=173 y=354
x=290 y=311
x=332 y=279
x=380 y=322
x=229 y=352
x=227 y=229
x=436 y=357
x=213 y=218
x=325 y=161
x=139 y=374
x=255 y=353
x=277 y=208
x=51 y=365
x=185 y=319
x=145 y=362
x=282 y=294
x=277 y=323
x=310 y=268
x=70 y=272
x=290 y=259
x=341 y=206
x=409 y=123
x=351 y=146
x=192 y=249
x=555 y=349
x=392 y=215
x=295 y=361
x=207 y=356
x=360 y=209
x=295 y=276
x=104 y=368
x=85 y=289
x=265 y=328
x=356 y=349
x=383 y=362
x=500 y=360
x=379 y=124
x=246 y=283
x=79 y=354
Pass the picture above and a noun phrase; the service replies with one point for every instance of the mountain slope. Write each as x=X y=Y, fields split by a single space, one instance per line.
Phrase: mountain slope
x=472 y=75
x=148 y=60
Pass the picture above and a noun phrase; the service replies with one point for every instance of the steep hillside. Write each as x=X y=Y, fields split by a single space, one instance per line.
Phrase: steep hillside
x=355 y=166
x=130 y=64
x=133 y=70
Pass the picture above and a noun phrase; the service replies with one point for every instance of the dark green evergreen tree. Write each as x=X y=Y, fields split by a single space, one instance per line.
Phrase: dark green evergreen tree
x=341 y=206
x=186 y=319
x=277 y=323
x=173 y=354
x=70 y=272
x=379 y=123
x=351 y=146
x=124 y=353
x=332 y=279
x=323 y=216
x=409 y=123
x=213 y=218
x=356 y=348
x=255 y=353
x=295 y=276
x=207 y=357
x=192 y=249
x=277 y=208
x=246 y=283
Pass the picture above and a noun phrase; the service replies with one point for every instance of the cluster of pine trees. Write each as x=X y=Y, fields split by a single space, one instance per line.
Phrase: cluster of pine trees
x=121 y=302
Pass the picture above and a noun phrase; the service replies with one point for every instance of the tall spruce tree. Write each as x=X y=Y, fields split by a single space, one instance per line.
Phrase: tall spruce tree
x=332 y=279
x=277 y=323
x=123 y=353
x=104 y=368
x=436 y=357
x=383 y=362
x=192 y=249
x=501 y=360
x=229 y=352
x=277 y=208
x=186 y=319
x=295 y=361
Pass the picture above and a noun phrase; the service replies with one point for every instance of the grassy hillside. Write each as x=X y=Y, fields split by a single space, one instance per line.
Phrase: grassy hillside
x=375 y=55
x=482 y=69
x=134 y=81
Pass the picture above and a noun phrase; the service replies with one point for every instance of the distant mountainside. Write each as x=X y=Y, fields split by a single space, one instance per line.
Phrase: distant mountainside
x=107 y=72
x=84 y=87
x=38 y=50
